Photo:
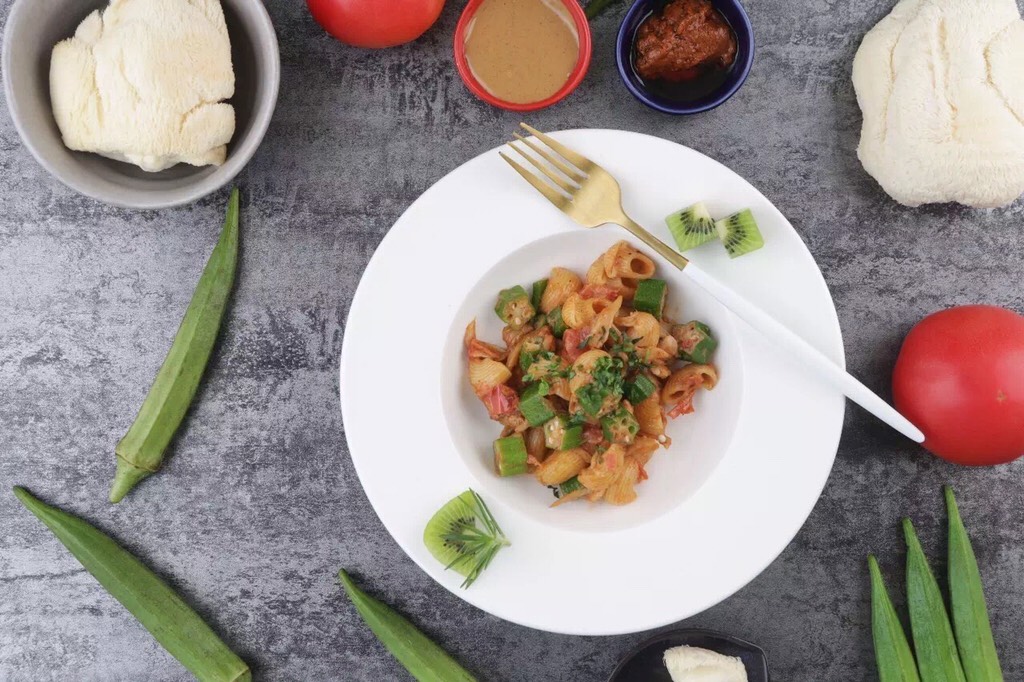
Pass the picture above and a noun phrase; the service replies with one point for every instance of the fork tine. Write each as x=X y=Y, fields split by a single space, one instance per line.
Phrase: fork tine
x=555 y=197
x=569 y=172
x=548 y=173
x=581 y=162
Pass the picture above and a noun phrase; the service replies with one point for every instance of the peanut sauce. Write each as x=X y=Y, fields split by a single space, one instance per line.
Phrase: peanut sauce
x=522 y=51
x=688 y=41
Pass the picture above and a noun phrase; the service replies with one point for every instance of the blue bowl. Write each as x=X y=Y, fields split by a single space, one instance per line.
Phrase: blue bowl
x=733 y=12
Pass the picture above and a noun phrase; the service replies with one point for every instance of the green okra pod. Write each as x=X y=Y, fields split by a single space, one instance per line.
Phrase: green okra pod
x=967 y=603
x=424 y=660
x=937 y=657
x=596 y=7
x=892 y=650
x=170 y=620
x=141 y=451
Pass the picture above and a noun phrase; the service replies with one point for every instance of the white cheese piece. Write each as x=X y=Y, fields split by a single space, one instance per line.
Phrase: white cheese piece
x=693 y=664
x=144 y=82
x=941 y=87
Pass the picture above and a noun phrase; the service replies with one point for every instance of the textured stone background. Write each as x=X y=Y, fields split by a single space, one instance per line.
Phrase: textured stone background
x=259 y=505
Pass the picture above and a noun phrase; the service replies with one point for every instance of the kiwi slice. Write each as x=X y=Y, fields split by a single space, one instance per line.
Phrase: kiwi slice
x=691 y=226
x=739 y=233
x=453 y=518
x=464 y=536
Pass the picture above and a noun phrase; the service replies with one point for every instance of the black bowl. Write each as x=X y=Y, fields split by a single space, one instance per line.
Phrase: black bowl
x=644 y=663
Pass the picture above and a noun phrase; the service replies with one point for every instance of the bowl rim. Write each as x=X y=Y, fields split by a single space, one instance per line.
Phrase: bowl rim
x=707 y=440
x=575 y=77
x=624 y=44
x=265 y=42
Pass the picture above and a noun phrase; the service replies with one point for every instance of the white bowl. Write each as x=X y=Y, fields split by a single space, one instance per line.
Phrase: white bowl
x=35 y=26
x=700 y=440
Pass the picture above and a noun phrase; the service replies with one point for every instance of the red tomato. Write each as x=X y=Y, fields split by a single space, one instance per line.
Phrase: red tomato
x=375 y=23
x=641 y=472
x=599 y=291
x=960 y=378
x=684 y=406
x=572 y=339
x=500 y=400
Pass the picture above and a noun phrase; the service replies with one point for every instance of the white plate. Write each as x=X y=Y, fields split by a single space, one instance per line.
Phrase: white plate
x=743 y=473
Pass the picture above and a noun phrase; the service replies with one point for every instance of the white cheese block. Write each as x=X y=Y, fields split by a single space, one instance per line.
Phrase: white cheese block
x=145 y=82
x=693 y=664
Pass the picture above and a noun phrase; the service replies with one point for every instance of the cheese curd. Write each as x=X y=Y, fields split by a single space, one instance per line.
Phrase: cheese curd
x=145 y=82
x=693 y=664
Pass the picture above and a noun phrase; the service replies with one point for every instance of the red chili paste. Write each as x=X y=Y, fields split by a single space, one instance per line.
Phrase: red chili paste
x=688 y=38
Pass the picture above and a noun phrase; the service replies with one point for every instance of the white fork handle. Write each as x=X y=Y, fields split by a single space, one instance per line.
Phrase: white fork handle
x=810 y=356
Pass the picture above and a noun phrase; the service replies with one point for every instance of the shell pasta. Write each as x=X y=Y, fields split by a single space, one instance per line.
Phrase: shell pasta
x=590 y=372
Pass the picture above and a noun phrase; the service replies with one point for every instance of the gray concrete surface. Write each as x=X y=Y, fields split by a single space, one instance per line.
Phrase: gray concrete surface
x=259 y=505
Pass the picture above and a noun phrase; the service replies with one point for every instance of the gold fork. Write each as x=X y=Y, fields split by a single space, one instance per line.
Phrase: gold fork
x=590 y=195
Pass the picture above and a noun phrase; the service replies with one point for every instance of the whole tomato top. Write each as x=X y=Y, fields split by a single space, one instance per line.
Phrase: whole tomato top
x=375 y=23
x=960 y=378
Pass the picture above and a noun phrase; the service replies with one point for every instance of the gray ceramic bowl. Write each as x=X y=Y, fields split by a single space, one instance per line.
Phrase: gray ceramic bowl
x=35 y=26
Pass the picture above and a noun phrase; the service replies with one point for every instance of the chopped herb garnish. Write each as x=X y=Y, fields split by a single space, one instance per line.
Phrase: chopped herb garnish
x=544 y=365
x=607 y=382
x=591 y=399
x=626 y=348
x=526 y=360
x=608 y=372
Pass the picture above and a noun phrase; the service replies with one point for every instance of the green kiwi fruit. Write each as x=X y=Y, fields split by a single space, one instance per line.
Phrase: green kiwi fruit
x=691 y=226
x=455 y=516
x=739 y=233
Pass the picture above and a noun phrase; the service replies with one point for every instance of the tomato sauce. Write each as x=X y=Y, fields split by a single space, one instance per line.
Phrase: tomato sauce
x=687 y=49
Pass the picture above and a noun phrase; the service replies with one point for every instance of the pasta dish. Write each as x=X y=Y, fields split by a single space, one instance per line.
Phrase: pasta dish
x=589 y=372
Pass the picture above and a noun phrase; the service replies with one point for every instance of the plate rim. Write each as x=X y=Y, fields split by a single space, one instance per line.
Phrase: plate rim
x=836 y=352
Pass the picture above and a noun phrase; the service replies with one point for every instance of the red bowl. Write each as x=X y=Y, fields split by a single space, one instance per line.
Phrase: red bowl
x=582 y=62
